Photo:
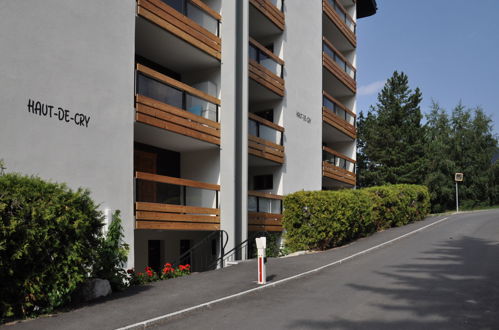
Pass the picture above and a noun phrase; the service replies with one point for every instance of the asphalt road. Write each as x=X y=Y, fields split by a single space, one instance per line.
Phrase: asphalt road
x=444 y=277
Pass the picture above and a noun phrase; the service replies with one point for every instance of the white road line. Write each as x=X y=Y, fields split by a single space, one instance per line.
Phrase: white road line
x=146 y=323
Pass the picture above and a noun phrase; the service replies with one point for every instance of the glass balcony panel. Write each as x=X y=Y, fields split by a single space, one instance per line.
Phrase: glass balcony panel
x=329 y=52
x=164 y=93
x=276 y=206
x=253 y=53
x=201 y=107
x=341 y=113
x=159 y=91
x=341 y=63
x=329 y=104
x=265 y=60
x=252 y=127
x=200 y=197
x=165 y=193
x=270 y=134
x=350 y=72
x=178 y=5
x=265 y=205
x=350 y=119
x=252 y=204
x=154 y=192
x=202 y=18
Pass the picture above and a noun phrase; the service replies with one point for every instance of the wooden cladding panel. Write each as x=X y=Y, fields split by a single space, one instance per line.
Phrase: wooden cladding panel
x=266 y=78
x=336 y=19
x=264 y=195
x=342 y=76
x=165 y=116
x=265 y=122
x=181 y=26
x=266 y=51
x=175 y=217
x=259 y=221
x=338 y=53
x=176 y=181
x=175 y=83
x=337 y=154
x=265 y=149
x=342 y=125
x=338 y=173
x=176 y=225
x=270 y=11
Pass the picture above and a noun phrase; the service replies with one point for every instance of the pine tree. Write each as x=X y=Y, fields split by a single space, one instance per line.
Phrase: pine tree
x=391 y=138
x=473 y=146
x=440 y=164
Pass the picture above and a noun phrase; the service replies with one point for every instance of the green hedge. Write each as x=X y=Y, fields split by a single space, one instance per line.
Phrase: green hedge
x=325 y=219
x=49 y=239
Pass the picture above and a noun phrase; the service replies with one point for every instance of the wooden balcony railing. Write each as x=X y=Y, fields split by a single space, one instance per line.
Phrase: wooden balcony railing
x=151 y=214
x=266 y=214
x=174 y=106
x=197 y=24
x=261 y=132
x=266 y=68
x=340 y=17
x=274 y=14
x=337 y=115
x=337 y=64
x=338 y=167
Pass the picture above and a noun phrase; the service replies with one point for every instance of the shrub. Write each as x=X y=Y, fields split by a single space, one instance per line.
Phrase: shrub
x=48 y=235
x=112 y=255
x=324 y=219
x=149 y=275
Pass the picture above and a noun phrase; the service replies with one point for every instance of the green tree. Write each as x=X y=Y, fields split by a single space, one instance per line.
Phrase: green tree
x=391 y=137
x=473 y=146
x=440 y=164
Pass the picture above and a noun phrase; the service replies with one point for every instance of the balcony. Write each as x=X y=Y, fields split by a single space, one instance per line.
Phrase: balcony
x=340 y=17
x=169 y=203
x=338 y=65
x=338 y=167
x=171 y=105
x=265 y=139
x=266 y=69
x=266 y=17
x=190 y=20
x=264 y=211
x=338 y=116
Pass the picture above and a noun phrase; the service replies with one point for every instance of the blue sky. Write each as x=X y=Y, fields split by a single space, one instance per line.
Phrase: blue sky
x=448 y=48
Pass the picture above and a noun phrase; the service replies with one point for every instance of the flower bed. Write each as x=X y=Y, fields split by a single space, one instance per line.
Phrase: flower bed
x=149 y=275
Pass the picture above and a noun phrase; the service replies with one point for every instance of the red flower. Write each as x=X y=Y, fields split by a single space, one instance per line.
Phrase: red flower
x=130 y=271
x=168 y=265
x=181 y=267
x=187 y=266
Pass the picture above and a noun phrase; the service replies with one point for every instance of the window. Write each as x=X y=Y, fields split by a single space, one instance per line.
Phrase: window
x=263 y=182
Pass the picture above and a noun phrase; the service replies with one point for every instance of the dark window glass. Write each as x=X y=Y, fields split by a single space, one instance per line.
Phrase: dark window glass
x=266 y=114
x=263 y=182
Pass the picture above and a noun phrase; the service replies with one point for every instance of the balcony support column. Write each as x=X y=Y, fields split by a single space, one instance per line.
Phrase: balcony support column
x=234 y=144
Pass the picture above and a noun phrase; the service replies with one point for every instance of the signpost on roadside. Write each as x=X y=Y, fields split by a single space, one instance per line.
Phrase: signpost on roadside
x=458 y=177
x=261 y=244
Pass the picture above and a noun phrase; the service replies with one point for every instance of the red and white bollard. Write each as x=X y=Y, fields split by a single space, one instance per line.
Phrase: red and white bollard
x=261 y=244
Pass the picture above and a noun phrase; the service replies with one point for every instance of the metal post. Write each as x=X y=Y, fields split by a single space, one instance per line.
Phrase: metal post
x=457 y=199
x=222 y=249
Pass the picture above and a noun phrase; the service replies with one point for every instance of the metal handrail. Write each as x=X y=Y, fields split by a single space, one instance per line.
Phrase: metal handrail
x=235 y=249
x=189 y=252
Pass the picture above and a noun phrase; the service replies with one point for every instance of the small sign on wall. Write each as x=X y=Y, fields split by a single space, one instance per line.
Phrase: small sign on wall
x=303 y=117
x=58 y=113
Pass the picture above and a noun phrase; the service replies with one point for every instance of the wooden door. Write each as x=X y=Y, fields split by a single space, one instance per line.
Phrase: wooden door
x=146 y=162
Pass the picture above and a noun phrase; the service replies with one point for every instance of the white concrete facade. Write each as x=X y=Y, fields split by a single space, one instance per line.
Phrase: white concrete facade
x=68 y=89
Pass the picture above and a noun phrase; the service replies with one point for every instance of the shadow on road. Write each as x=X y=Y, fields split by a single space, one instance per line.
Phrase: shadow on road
x=454 y=285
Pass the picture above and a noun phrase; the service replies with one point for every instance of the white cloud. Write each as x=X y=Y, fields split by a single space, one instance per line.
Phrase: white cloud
x=371 y=88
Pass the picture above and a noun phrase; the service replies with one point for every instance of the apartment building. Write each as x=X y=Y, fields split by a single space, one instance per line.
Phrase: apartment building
x=192 y=117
